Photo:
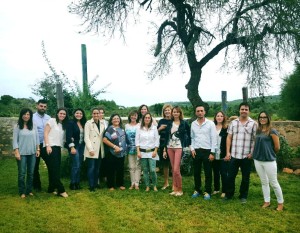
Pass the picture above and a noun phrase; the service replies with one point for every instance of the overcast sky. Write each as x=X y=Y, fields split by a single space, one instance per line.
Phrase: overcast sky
x=25 y=24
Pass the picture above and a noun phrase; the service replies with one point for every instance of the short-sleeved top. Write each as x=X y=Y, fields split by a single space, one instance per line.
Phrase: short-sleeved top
x=56 y=136
x=264 y=147
x=116 y=136
x=130 y=131
x=242 y=138
x=163 y=133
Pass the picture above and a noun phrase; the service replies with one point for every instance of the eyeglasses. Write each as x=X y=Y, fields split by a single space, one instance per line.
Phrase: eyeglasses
x=263 y=117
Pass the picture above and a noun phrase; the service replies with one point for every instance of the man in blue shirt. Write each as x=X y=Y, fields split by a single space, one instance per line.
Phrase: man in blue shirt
x=40 y=119
x=203 y=136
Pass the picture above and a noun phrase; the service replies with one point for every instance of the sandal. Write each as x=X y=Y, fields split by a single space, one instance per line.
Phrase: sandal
x=280 y=207
x=266 y=205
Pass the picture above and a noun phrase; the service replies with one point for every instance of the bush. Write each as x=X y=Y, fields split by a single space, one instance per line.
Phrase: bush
x=285 y=155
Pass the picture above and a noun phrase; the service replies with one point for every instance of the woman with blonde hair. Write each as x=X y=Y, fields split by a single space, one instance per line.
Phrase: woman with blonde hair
x=161 y=127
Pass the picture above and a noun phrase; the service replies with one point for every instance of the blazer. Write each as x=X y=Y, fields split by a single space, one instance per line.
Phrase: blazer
x=93 y=139
x=72 y=135
x=184 y=133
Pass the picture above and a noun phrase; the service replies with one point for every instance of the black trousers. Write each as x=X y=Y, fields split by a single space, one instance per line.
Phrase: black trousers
x=36 y=174
x=201 y=157
x=115 y=171
x=234 y=165
x=54 y=162
x=220 y=169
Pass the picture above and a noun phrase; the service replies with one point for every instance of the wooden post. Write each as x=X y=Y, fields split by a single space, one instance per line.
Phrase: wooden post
x=224 y=101
x=59 y=96
x=84 y=68
x=245 y=94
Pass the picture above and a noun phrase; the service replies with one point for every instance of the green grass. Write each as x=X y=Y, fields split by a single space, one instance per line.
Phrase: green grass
x=137 y=211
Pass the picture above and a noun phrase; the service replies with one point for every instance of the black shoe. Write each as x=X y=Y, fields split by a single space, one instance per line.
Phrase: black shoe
x=92 y=189
x=37 y=189
x=226 y=199
x=73 y=186
x=77 y=186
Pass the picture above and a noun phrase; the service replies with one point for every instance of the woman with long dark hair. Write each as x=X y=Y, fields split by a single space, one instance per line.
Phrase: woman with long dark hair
x=54 y=135
x=75 y=144
x=26 y=148
x=266 y=146
x=147 y=143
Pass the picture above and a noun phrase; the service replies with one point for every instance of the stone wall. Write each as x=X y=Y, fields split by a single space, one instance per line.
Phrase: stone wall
x=289 y=129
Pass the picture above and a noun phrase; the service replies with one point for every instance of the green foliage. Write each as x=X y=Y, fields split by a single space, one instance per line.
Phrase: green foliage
x=290 y=95
x=285 y=155
x=9 y=106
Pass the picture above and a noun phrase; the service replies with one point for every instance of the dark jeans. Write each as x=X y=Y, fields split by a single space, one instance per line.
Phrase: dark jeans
x=54 y=162
x=76 y=161
x=36 y=174
x=25 y=166
x=93 y=171
x=115 y=171
x=234 y=165
x=220 y=169
x=202 y=157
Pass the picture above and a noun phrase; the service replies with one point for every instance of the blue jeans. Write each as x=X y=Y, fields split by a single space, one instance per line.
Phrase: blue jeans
x=26 y=163
x=76 y=161
x=148 y=167
x=234 y=165
x=93 y=171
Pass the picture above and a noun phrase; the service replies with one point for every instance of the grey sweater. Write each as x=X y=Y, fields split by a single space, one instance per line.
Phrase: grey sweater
x=26 y=140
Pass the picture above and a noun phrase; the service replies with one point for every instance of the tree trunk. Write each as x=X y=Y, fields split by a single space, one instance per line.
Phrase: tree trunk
x=192 y=88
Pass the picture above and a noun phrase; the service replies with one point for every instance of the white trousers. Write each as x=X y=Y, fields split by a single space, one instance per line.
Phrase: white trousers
x=267 y=172
x=134 y=169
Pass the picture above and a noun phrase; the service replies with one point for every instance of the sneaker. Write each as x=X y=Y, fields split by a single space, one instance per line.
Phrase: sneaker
x=206 y=196
x=243 y=200
x=195 y=194
x=223 y=195
x=215 y=192
x=173 y=193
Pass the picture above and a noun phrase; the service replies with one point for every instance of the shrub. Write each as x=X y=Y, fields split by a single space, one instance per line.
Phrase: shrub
x=285 y=155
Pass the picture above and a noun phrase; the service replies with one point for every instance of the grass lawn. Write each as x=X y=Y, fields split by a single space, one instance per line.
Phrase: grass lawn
x=138 y=211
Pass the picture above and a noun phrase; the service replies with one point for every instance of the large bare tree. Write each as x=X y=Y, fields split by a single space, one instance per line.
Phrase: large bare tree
x=260 y=33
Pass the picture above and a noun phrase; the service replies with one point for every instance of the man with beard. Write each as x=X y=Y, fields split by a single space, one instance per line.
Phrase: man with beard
x=40 y=119
x=239 y=149
x=203 y=137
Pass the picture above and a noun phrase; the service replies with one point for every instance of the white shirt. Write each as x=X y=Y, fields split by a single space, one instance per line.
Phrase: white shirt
x=147 y=139
x=203 y=136
x=56 y=134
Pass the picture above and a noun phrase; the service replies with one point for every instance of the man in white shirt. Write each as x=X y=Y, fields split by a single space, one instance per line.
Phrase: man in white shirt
x=203 y=135
x=40 y=118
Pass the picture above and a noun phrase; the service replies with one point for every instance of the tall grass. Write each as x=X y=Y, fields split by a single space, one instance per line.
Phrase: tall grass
x=138 y=211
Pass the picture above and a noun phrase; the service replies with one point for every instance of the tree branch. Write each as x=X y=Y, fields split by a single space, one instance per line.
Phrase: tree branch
x=160 y=32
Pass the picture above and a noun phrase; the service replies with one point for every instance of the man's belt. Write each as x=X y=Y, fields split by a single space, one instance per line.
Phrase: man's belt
x=147 y=150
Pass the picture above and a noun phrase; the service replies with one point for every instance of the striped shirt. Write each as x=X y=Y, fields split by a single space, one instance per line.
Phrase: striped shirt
x=242 y=143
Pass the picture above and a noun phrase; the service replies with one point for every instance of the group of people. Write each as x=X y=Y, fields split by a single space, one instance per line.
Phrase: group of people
x=221 y=149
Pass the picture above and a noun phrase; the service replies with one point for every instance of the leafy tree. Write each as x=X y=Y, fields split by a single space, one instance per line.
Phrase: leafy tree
x=196 y=31
x=290 y=95
x=6 y=99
